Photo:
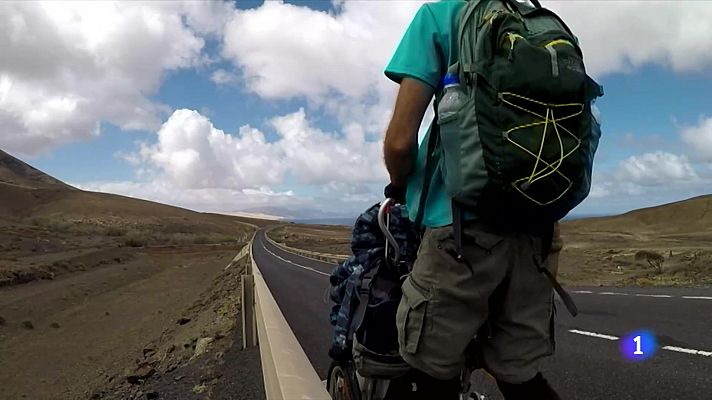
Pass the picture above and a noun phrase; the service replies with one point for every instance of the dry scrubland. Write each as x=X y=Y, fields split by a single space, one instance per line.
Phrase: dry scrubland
x=104 y=296
x=53 y=231
x=669 y=245
x=329 y=239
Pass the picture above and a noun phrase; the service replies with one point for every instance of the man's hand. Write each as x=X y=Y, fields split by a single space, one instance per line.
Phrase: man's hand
x=400 y=146
x=394 y=192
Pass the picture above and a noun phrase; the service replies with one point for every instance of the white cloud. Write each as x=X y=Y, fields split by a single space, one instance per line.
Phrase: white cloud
x=195 y=165
x=655 y=169
x=699 y=138
x=334 y=61
x=194 y=154
x=207 y=200
x=222 y=77
x=286 y=50
x=622 y=190
x=599 y=191
x=66 y=66
x=260 y=200
x=625 y=35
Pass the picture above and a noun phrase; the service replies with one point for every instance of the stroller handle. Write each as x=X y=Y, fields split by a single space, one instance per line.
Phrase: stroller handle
x=383 y=223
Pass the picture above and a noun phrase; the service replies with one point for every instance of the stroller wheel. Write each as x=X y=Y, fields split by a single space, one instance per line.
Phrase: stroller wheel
x=342 y=383
x=483 y=386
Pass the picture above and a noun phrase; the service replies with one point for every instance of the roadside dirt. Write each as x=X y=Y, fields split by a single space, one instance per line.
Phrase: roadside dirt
x=637 y=257
x=331 y=239
x=47 y=247
x=105 y=332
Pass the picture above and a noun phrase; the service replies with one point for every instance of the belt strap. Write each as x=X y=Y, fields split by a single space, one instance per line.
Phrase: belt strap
x=565 y=297
x=457 y=221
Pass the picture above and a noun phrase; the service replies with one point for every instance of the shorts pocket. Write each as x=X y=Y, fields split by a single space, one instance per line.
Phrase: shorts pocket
x=410 y=317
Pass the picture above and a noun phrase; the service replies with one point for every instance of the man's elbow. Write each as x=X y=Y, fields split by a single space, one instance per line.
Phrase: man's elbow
x=394 y=150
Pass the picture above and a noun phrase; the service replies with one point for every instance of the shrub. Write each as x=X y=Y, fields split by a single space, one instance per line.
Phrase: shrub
x=655 y=260
x=115 y=231
x=135 y=240
x=201 y=240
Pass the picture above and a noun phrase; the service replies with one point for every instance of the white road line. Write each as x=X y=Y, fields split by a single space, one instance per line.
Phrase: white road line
x=688 y=351
x=697 y=297
x=594 y=334
x=582 y=291
x=293 y=263
x=670 y=348
x=615 y=293
x=654 y=295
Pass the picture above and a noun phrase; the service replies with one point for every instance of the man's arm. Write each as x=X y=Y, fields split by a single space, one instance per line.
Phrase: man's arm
x=401 y=142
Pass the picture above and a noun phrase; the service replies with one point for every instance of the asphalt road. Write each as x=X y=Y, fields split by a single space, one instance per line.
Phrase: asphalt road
x=588 y=363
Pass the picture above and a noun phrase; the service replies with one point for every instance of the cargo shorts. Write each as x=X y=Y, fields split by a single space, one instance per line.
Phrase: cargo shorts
x=446 y=301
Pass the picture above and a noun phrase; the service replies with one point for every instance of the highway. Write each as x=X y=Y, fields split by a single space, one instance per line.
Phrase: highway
x=587 y=364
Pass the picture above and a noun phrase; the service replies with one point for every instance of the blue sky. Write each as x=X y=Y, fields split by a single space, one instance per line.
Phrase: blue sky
x=210 y=122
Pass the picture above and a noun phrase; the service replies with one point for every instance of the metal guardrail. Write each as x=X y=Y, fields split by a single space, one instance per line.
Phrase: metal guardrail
x=286 y=370
x=330 y=258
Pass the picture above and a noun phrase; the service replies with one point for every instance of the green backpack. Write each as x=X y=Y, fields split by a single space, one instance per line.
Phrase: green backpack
x=519 y=152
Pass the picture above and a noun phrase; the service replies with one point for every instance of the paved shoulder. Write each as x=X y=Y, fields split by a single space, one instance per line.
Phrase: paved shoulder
x=300 y=286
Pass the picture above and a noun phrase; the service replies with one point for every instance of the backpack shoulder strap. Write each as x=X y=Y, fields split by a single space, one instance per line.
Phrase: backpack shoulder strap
x=430 y=164
x=464 y=39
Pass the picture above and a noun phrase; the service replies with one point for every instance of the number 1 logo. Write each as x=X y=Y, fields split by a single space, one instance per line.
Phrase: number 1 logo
x=638 y=345
x=638 y=351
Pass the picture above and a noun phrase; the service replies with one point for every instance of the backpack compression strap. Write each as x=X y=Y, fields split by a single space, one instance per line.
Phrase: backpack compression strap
x=546 y=242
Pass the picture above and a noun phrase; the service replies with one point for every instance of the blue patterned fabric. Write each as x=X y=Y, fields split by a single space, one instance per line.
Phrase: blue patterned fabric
x=367 y=246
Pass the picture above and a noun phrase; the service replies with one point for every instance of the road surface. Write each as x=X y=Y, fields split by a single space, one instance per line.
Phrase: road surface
x=588 y=363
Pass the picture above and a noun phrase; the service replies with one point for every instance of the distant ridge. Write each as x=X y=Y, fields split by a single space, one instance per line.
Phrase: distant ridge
x=26 y=192
x=682 y=217
x=325 y=221
x=15 y=172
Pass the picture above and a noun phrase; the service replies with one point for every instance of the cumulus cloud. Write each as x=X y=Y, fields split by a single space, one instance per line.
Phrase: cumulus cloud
x=656 y=168
x=287 y=50
x=622 y=36
x=333 y=60
x=66 y=66
x=699 y=138
x=194 y=154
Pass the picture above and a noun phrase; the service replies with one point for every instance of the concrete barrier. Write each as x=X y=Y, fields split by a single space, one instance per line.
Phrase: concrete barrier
x=245 y=251
x=286 y=370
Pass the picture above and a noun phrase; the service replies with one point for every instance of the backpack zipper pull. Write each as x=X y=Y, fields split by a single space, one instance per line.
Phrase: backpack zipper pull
x=512 y=38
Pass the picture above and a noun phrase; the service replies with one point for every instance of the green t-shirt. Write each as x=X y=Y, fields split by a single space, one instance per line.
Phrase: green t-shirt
x=428 y=47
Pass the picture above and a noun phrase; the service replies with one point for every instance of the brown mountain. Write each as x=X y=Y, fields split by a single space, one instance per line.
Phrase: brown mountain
x=692 y=216
x=26 y=192
x=49 y=228
x=14 y=172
